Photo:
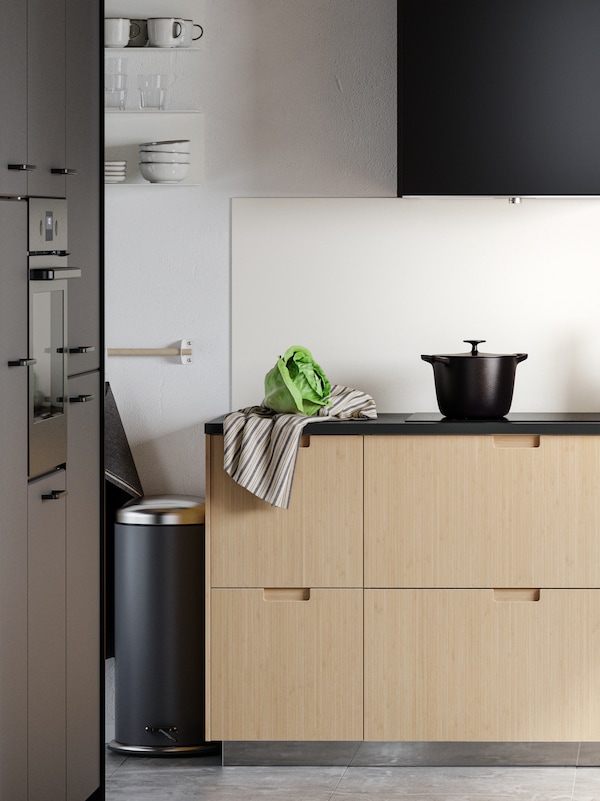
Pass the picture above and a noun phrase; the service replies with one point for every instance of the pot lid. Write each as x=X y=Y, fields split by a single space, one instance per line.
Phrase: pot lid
x=475 y=352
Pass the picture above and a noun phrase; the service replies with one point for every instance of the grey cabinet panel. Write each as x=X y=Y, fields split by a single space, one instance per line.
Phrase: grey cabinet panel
x=13 y=503
x=46 y=96
x=83 y=190
x=83 y=587
x=46 y=637
x=13 y=96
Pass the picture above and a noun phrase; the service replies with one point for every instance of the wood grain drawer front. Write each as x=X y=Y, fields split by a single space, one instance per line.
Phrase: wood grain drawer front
x=457 y=665
x=286 y=666
x=317 y=542
x=482 y=511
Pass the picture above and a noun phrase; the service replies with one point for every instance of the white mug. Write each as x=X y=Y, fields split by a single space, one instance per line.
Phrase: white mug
x=117 y=31
x=188 y=30
x=165 y=31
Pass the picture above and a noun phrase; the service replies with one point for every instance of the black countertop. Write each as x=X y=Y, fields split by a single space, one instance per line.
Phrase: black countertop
x=433 y=423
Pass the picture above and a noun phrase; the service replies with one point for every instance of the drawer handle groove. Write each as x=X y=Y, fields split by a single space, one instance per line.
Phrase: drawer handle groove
x=516 y=440
x=517 y=594
x=286 y=594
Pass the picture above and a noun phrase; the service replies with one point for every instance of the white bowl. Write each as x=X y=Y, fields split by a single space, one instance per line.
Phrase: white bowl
x=164 y=173
x=164 y=158
x=168 y=146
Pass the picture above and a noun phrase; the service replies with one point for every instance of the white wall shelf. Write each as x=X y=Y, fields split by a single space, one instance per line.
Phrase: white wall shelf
x=142 y=9
x=126 y=130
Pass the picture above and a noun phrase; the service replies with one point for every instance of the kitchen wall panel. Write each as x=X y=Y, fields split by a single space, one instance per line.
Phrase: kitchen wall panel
x=370 y=284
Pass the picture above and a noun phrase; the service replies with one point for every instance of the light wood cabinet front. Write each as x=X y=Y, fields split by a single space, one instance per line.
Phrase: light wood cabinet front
x=482 y=511
x=317 y=542
x=286 y=665
x=482 y=665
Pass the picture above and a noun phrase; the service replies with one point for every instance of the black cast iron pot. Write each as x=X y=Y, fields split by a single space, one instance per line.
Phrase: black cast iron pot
x=474 y=385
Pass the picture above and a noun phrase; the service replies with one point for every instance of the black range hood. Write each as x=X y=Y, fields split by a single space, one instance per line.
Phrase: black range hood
x=499 y=98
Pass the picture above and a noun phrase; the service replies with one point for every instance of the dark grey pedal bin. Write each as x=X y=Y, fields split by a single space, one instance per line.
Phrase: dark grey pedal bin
x=159 y=627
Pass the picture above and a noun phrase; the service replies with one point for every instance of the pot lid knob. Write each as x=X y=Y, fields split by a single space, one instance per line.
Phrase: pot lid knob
x=474 y=343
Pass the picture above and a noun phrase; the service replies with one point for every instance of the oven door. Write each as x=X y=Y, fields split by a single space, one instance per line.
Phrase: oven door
x=47 y=374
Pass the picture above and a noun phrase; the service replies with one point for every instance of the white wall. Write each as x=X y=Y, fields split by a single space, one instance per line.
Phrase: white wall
x=370 y=285
x=299 y=97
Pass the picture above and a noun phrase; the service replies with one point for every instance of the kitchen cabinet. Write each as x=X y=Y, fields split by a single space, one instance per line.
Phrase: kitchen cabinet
x=482 y=665
x=455 y=511
x=481 y=589
x=32 y=151
x=469 y=122
x=467 y=540
x=13 y=503
x=46 y=97
x=317 y=542
x=50 y=689
x=46 y=637
x=286 y=587
x=84 y=154
x=83 y=537
x=13 y=96
x=295 y=671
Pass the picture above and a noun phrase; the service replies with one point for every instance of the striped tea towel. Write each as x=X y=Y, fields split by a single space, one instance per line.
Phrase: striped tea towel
x=261 y=446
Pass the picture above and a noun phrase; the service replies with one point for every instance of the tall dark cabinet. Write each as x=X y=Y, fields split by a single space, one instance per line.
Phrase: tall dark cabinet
x=50 y=520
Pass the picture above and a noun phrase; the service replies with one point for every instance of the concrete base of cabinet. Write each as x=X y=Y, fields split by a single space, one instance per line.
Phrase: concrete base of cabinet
x=409 y=754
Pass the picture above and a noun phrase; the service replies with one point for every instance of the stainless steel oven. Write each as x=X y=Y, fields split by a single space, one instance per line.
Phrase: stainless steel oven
x=49 y=275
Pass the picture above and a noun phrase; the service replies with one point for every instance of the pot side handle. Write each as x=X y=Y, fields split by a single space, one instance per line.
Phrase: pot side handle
x=521 y=357
x=433 y=359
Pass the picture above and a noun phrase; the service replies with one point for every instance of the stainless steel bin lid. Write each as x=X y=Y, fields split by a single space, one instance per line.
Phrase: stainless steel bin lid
x=163 y=510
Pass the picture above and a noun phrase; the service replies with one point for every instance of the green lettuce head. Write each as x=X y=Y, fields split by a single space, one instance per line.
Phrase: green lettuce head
x=296 y=385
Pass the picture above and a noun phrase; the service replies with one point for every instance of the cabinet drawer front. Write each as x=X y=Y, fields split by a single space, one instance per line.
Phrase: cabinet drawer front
x=317 y=542
x=46 y=635
x=482 y=511
x=285 y=665
x=475 y=665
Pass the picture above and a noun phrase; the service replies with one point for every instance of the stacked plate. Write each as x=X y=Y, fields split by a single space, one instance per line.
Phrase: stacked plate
x=166 y=162
x=114 y=171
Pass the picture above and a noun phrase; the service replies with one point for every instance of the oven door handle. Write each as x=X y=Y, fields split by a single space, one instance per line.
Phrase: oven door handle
x=22 y=362
x=53 y=273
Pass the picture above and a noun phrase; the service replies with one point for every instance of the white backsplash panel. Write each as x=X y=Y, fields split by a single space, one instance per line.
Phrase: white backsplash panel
x=368 y=285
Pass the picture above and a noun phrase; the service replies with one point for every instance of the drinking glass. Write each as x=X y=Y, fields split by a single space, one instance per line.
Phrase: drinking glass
x=152 y=91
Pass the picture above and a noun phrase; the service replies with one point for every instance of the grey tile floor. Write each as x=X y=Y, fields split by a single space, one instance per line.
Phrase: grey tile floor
x=203 y=779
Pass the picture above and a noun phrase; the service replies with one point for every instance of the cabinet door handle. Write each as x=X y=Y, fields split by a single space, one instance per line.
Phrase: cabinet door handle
x=53 y=495
x=83 y=349
x=509 y=594
x=516 y=440
x=82 y=399
x=62 y=171
x=22 y=167
x=22 y=362
x=286 y=594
